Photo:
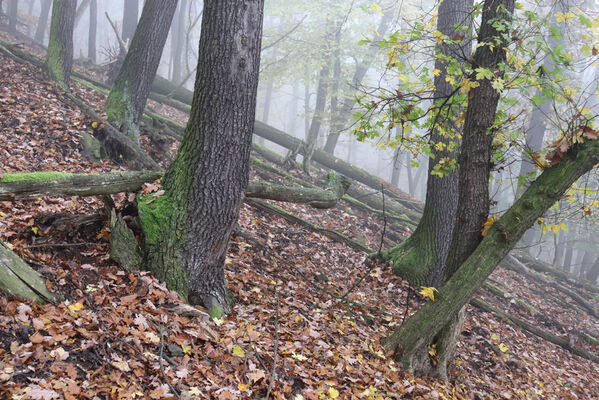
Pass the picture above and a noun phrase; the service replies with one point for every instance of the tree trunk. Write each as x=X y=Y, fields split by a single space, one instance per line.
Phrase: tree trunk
x=396 y=169
x=93 y=24
x=42 y=23
x=477 y=137
x=13 y=15
x=59 y=58
x=473 y=209
x=187 y=229
x=81 y=10
x=421 y=258
x=179 y=41
x=593 y=272
x=419 y=331
x=127 y=98
x=130 y=13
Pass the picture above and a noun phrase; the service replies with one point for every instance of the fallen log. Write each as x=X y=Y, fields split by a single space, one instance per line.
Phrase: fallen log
x=513 y=263
x=314 y=197
x=534 y=330
x=546 y=268
x=19 y=279
x=31 y=185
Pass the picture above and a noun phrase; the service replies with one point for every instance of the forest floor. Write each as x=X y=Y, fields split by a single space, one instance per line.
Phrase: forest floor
x=289 y=334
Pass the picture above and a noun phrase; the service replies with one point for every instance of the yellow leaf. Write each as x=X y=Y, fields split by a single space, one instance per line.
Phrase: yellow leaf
x=218 y=321
x=95 y=124
x=488 y=224
x=436 y=72
x=238 y=351
x=333 y=393
x=35 y=229
x=432 y=350
x=2 y=214
x=75 y=307
x=377 y=8
x=186 y=349
x=243 y=386
x=503 y=347
x=428 y=292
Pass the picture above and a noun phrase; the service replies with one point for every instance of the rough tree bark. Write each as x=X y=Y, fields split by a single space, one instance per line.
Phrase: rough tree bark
x=130 y=13
x=421 y=258
x=187 y=229
x=59 y=58
x=93 y=24
x=127 y=98
x=42 y=22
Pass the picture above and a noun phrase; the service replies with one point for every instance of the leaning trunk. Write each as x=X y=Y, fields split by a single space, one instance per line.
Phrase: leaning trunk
x=42 y=22
x=59 y=58
x=187 y=229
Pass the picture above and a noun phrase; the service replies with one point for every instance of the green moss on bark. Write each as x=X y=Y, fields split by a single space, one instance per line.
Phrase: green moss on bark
x=34 y=176
x=411 y=260
x=120 y=112
x=163 y=235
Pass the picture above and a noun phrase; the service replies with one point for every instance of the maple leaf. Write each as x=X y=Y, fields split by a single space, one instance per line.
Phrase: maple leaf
x=238 y=351
x=333 y=393
x=503 y=347
x=428 y=292
x=256 y=375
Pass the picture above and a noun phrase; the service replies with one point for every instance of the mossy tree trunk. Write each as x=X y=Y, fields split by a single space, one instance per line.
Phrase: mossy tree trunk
x=59 y=58
x=42 y=21
x=473 y=200
x=422 y=329
x=187 y=229
x=421 y=258
x=127 y=98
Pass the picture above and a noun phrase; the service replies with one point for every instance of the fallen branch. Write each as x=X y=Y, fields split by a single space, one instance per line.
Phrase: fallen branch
x=533 y=329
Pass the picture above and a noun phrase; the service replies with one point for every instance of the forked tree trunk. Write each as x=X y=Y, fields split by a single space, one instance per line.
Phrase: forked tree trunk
x=127 y=98
x=42 y=23
x=421 y=258
x=59 y=58
x=187 y=229
x=472 y=211
x=419 y=331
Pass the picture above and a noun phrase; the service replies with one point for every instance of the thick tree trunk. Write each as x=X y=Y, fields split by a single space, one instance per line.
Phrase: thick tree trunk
x=42 y=23
x=19 y=279
x=187 y=229
x=127 y=98
x=93 y=24
x=130 y=13
x=418 y=332
x=59 y=58
x=421 y=258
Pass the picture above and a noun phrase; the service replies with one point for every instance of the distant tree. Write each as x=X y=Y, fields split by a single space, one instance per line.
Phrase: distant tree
x=42 y=22
x=59 y=58
x=93 y=24
x=187 y=229
x=178 y=40
x=130 y=13
x=127 y=98
x=13 y=15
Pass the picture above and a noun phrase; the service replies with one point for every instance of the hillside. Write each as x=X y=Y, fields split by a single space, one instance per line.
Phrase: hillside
x=310 y=311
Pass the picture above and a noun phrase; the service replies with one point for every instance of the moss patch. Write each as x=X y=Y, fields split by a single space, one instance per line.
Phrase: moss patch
x=34 y=176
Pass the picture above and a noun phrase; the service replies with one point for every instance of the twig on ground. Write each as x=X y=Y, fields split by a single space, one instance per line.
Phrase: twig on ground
x=274 y=361
x=168 y=382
